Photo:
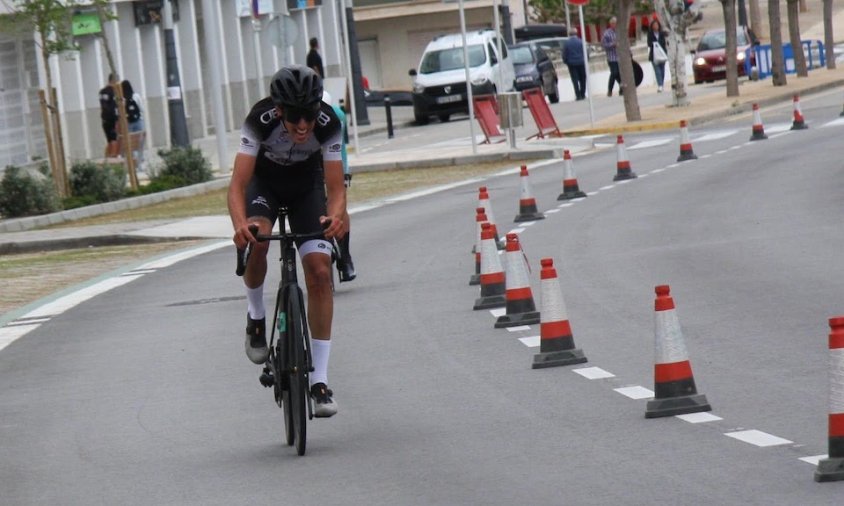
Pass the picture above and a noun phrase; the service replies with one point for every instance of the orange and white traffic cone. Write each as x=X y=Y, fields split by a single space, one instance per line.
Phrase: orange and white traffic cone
x=480 y=219
x=492 y=274
x=527 y=204
x=686 y=151
x=570 y=188
x=832 y=467
x=758 y=128
x=674 y=383
x=556 y=343
x=799 y=123
x=623 y=166
x=483 y=201
x=521 y=309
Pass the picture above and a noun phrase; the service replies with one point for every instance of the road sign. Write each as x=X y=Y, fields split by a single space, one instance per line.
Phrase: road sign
x=578 y=2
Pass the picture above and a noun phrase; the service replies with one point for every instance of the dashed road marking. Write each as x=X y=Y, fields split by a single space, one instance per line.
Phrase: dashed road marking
x=757 y=438
x=530 y=341
x=814 y=459
x=501 y=311
x=518 y=328
x=699 y=417
x=594 y=373
x=635 y=392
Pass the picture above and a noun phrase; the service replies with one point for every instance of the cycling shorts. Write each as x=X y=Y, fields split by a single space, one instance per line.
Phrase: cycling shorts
x=305 y=202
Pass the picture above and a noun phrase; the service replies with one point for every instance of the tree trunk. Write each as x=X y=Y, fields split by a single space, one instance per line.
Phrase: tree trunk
x=794 y=36
x=828 y=38
x=106 y=48
x=58 y=169
x=803 y=6
x=731 y=27
x=777 y=59
x=625 y=62
x=676 y=20
x=756 y=21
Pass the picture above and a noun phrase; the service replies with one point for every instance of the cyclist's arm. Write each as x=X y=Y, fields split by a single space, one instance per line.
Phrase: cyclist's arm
x=336 y=193
x=244 y=168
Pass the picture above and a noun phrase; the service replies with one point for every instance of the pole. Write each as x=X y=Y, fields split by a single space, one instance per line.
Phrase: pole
x=586 y=64
x=175 y=105
x=568 y=18
x=259 y=67
x=212 y=49
x=359 y=102
x=349 y=75
x=742 y=13
x=468 y=80
x=389 y=112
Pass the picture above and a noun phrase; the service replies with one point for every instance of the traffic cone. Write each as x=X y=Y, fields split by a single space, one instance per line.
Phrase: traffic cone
x=624 y=171
x=570 y=188
x=758 y=128
x=832 y=468
x=556 y=344
x=492 y=275
x=686 y=151
x=798 y=123
x=674 y=384
x=480 y=219
x=527 y=204
x=520 y=307
x=483 y=201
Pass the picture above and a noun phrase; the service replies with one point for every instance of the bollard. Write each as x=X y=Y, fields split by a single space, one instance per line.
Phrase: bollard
x=389 y=116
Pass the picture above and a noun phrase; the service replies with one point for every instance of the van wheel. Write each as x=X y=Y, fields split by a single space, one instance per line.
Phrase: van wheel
x=555 y=96
x=421 y=119
x=444 y=117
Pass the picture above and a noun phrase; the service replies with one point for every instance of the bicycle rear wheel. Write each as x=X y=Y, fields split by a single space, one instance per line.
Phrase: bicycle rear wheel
x=297 y=333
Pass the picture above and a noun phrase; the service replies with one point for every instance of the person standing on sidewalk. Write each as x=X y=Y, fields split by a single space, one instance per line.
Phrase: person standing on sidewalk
x=314 y=60
x=610 y=44
x=573 y=58
x=108 y=115
x=656 y=37
x=134 y=116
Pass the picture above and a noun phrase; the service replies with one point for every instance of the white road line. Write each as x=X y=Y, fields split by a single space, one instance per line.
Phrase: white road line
x=635 y=392
x=27 y=321
x=704 y=157
x=530 y=342
x=699 y=417
x=501 y=311
x=643 y=175
x=591 y=193
x=594 y=373
x=779 y=127
x=715 y=136
x=551 y=211
x=518 y=328
x=567 y=204
x=608 y=187
x=62 y=304
x=757 y=437
x=10 y=334
x=178 y=257
x=672 y=165
x=835 y=122
x=518 y=230
x=814 y=459
x=527 y=223
x=651 y=143
x=657 y=171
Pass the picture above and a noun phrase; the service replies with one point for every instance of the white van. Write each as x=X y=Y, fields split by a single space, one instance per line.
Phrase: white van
x=439 y=87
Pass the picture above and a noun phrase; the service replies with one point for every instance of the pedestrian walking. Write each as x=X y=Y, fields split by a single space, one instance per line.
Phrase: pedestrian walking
x=609 y=41
x=573 y=58
x=108 y=115
x=657 y=53
x=314 y=60
x=134 y=116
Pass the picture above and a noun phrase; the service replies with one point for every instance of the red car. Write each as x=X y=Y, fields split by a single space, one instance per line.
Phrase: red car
x=710 y=58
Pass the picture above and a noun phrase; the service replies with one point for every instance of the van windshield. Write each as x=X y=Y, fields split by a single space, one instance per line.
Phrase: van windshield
x=451 y=59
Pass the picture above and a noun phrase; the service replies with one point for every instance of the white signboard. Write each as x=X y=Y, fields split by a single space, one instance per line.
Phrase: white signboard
x=244 y=7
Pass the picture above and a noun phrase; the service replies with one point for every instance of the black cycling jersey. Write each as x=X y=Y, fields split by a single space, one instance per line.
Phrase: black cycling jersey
x=264 y=136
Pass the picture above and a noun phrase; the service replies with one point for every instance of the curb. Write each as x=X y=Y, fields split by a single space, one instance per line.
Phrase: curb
x=17 y=248
x=533 y=154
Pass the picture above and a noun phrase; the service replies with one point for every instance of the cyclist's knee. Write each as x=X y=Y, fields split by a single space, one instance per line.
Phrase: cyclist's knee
x=317 y=268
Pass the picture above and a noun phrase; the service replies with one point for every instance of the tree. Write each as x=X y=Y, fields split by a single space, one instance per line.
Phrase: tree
x=777 y=58
x=625 y=63
x=731 y=27
x=676 y=19
x=828 y=38
x=756 y=18
x=793 y=8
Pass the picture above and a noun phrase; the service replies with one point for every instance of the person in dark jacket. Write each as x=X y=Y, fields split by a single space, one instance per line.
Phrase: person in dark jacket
x=657 y=36
x=108 y=115
x=573 y=58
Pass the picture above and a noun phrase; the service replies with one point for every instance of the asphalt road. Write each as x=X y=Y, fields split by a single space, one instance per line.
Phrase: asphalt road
x=143 y=395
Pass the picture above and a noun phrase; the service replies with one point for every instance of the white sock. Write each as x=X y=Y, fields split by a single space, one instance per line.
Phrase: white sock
x=255 y=302
x=320 y=350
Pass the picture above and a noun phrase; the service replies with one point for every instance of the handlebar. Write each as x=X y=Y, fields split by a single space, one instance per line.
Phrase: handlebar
x=243 y=254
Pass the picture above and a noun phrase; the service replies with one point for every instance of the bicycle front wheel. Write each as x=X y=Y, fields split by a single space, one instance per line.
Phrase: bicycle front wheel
x=297 y=333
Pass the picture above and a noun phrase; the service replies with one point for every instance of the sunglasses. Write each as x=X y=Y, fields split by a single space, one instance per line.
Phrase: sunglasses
x=295 y=114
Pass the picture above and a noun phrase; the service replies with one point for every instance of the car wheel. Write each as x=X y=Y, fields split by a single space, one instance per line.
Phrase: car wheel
x=444 y=117
x=554 y=96
x=698 y=81
x=421 y=119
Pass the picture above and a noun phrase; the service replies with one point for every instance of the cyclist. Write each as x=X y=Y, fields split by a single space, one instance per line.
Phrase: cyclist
x=345 y=265
x=290 y=155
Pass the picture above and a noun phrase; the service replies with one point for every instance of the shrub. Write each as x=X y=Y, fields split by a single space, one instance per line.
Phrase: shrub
x=21 y=194
x=186 y=166
x=99 y=183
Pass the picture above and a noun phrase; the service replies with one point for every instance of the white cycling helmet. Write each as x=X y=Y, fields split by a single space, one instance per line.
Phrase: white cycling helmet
x=326 y=97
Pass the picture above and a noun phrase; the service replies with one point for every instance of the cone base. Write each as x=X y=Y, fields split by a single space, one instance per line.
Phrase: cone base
x=686 y=156
x=475 y=280
x=572 y=195
x=513 y=320
x=799 y=126
x=528 y=217
x=830 y=470
x=621 y=176
x=758 y=136
x=677 y=406
x=490 y=302
x=558 y=358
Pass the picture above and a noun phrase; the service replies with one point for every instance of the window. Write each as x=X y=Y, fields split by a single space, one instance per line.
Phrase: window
x=451 y=59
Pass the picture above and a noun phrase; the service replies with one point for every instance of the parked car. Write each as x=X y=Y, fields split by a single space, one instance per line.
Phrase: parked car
x=439 y=87
x=710 y=57
x=534 y=69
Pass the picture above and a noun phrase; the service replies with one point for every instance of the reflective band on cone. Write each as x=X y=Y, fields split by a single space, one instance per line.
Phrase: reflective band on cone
x=674 y=384
x=556 y=343
x=492 y=275
x=832 y=468
x=483 y=201
x=799 y=123
x=480 y=219
x=623 y=170
x=521 y=309
x=527 y=204
x=571 y=190
x=686 y=151
x=758 y=128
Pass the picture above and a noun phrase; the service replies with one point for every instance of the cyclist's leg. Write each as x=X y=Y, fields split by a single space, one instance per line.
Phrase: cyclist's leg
x=347 y=267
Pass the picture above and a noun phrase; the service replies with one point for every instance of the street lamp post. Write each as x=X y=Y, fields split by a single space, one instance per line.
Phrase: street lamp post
x=175 y=104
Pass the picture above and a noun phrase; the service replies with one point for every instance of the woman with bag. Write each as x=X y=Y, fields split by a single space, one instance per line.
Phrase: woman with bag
x=656 y=52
